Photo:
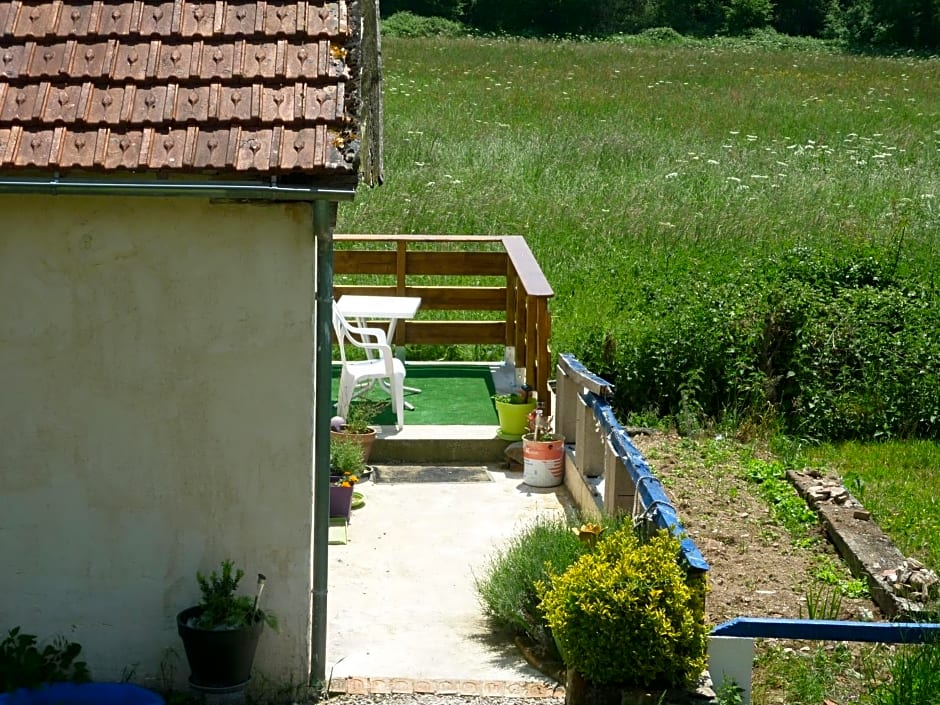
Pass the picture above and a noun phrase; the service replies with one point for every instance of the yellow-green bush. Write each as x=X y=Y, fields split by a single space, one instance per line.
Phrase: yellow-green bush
x=625 y=614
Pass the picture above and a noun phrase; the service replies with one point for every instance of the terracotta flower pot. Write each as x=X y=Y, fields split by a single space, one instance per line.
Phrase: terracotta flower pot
x=363 y=439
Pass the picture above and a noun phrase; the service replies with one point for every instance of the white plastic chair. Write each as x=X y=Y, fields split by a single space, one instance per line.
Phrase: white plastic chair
x=358 y=376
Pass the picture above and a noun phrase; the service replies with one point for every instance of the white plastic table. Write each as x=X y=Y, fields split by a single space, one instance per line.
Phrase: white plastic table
x=390 y=308
x=386 y=308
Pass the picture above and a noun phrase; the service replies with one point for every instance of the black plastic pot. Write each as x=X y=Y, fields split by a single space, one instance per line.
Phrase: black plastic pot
x=220 y=660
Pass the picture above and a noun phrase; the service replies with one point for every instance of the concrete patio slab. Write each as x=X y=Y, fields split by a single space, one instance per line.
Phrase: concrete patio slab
x=403 y=612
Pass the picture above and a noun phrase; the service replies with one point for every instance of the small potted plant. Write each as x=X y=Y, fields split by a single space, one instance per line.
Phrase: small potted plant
x=347 y=465
x=356 y=425
x=513 y=411
x=220 y=635
x=543 y=453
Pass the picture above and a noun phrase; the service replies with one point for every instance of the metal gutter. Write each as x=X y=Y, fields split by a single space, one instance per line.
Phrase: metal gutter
x=243 y=190
x=323 y=220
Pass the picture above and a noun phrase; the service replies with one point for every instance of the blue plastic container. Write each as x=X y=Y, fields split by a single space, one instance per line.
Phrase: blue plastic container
x=82 y=694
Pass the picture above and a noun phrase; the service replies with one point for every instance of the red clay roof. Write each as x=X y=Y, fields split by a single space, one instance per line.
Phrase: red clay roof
x=259 y=88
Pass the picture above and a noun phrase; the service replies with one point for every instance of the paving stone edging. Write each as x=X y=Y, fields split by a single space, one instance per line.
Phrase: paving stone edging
x=352 y=685
x=868 y=551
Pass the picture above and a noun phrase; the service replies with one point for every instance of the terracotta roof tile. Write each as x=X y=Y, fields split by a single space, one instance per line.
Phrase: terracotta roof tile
x=226 y=85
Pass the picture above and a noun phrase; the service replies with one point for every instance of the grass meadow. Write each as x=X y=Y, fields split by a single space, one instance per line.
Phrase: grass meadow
x=636 y=169
x=633 y=169
x=628 y=167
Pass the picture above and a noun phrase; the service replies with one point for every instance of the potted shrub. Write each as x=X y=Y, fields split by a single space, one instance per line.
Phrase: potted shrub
x=347 y=465
x=357 y=424
x=513 y=411
x=220 y=634
x=626 y=616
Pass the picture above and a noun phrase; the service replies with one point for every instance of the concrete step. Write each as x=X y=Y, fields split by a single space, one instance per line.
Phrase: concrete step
x=438 y=444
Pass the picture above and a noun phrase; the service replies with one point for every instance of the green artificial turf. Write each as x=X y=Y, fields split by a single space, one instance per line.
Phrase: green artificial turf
x=450 y=394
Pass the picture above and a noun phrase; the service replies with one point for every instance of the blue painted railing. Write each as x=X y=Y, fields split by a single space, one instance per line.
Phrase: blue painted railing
x=593 y=393
x=829 y=630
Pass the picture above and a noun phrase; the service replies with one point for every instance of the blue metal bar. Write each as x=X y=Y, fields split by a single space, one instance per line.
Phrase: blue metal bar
x=605 y=387
x=829 y=630
x=648 y=486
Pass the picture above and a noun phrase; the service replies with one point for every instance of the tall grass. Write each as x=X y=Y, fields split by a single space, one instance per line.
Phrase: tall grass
x=900 y=484
x=915 y=678
x=632 y=168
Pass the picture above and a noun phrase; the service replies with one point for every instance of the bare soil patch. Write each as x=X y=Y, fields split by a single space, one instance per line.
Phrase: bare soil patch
x=757 y=569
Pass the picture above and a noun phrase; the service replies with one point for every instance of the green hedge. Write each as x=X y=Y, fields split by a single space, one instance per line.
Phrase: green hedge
x=831 y=347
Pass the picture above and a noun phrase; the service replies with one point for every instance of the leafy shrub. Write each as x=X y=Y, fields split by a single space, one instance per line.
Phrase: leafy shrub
x=222 y=608
x=744 y=15
x=834 y=347
x=507 y=588
x=24 y=665
x=449 y=9
x=625 y=613
x=407 y=24
x=661 y=35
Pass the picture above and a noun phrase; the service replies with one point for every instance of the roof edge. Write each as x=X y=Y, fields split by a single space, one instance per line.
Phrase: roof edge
x=246 y=190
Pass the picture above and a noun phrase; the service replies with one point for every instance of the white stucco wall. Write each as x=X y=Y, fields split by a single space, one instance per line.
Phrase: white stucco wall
x=156 y=406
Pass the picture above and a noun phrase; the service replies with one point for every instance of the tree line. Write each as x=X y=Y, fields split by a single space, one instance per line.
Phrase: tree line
x=877 y=24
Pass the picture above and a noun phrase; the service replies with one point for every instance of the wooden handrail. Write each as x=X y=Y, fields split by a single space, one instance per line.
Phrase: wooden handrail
x=515 y=293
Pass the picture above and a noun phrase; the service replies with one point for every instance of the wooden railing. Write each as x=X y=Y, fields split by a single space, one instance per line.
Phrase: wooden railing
x=427 y=265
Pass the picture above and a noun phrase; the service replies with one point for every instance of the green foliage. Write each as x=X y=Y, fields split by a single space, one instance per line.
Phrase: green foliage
x=346 y=457
x=915 y=678
x=448 y=9
x=786 y=506
x=665 y=238
x=899 y=484
x=221 y=607
x=24 y=665
x=625 y=613
x=803 y=17
x=362 y=413
x=822 y=602
x=890 y=24
x=742 y=16
x=829 y=575
x=531 y=17
x=878 y=24
x=834 y=346
x=507 y=586
x=660 y=35
x=625 y=16
x=808 y=677
x=729 y=693
x=407 y=24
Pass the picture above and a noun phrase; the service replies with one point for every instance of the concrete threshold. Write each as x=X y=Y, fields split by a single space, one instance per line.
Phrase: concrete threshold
x=438 y=444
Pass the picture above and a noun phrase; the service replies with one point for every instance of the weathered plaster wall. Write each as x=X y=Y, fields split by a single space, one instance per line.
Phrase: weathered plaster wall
x=156 y=406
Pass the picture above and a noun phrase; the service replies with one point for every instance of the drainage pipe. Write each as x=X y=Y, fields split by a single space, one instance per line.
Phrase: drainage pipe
x=324 y=217
x=240 y=190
